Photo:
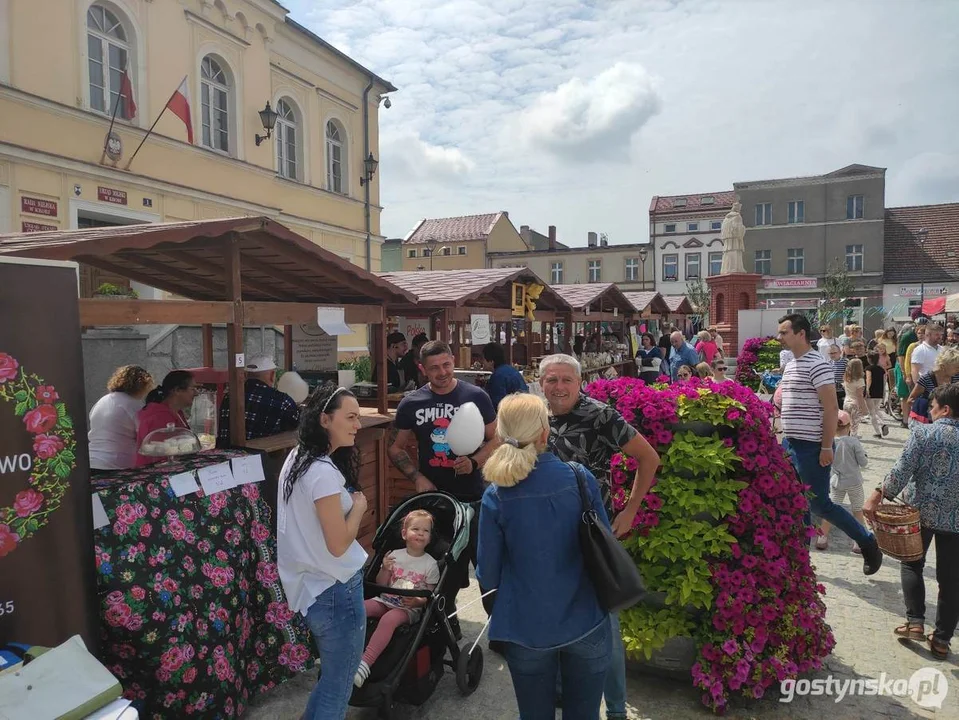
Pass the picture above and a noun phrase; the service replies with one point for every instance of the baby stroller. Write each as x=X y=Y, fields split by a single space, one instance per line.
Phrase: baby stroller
x=414 y=661
x=770 y=391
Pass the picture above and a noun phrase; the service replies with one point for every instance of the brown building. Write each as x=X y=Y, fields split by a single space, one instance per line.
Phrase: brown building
x=459 y=243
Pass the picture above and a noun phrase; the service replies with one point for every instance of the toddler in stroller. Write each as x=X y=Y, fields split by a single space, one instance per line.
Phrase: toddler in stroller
x=412 y=661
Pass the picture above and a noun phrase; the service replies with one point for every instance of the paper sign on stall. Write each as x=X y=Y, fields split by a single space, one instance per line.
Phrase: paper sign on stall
x=333 y=320
x=216 y=478
x=100 y=518
x=313 y=349
x=479 y=329
x=183 y=484
x=248 y=469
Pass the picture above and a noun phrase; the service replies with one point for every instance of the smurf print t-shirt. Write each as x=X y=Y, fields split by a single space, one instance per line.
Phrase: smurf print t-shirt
x=428 y=415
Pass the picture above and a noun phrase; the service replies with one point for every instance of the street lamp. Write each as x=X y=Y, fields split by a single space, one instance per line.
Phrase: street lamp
x=922 y=235
x=642 y=262
x=268 y=118
x=370 y=165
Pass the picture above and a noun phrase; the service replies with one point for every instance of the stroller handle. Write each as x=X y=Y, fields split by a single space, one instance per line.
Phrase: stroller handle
x=398 y=591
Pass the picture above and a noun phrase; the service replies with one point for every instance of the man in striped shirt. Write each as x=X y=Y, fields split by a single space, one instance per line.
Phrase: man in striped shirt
x=809 y=417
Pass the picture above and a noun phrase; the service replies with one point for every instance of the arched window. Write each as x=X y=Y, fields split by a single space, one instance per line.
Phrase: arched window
x=335 y=158
x=108 y=57
x=216 y=91
x=287 y=141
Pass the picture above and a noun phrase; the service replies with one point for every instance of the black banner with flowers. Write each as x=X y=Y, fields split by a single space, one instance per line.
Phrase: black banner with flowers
x=47 y=575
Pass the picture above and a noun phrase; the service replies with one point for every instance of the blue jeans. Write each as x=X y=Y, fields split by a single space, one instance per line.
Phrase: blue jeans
x=804 y=456
x=338 y=622
x=583 y=666
x=614 y=690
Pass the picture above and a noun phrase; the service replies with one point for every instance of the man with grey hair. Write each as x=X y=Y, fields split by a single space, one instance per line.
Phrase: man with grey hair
x=589 y=432
x=682 y=353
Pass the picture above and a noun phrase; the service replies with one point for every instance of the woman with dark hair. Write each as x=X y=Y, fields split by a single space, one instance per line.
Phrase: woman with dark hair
x=505 y=379
x=113 y=420
x=648 y=352
x=164 y=407
x=319 y=560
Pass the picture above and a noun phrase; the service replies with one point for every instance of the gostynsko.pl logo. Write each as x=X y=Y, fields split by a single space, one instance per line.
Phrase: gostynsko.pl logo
x=927 y=687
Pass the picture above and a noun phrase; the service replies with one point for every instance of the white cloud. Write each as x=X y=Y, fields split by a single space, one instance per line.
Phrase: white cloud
x=410 y=157
x=583 y=120
x=932 y=177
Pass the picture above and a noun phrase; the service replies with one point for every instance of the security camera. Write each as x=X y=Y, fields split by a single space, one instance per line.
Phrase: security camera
x=387 y=104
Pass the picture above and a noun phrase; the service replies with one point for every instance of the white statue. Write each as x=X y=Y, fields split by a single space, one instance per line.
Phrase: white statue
x=732 y=237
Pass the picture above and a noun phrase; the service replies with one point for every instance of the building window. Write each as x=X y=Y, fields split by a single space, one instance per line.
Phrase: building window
x=796 y=212
x=854 y=207
x=706 y=200
x=670 y=228
x=764 y=214
x=335 y=153
x=764 y=262
x=671 y=267
x=461 y=250
x=679 y=202
x=411 y=253
x=692 y=227
x=715 y=263
x=854 y=258
x=595 y=270
x=427 y=252
x=795 y=262
x=215 y=91
x=287 y=141
x=692 y=265
x=108 y=56
x=446 y=251
x=716 y=225
x=556 y=273
x=632 y=269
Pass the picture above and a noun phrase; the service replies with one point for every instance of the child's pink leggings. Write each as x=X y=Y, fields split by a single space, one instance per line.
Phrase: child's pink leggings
x=390 y=619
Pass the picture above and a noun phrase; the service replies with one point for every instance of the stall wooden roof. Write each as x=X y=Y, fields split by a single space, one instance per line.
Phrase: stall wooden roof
x=490 y=287
x=188 y=259
x=678 y=304
x=596 y=297
x=650 y=300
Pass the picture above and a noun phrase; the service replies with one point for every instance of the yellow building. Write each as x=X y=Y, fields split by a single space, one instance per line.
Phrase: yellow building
x=62 y=67
x=459 y=243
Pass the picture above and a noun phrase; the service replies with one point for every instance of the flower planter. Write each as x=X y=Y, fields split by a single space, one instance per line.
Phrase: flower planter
x=657 y=601
x=701 y=428
x=673 y=661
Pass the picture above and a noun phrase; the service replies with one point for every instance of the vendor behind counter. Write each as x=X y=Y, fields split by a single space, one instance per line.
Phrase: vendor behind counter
x=268 y=411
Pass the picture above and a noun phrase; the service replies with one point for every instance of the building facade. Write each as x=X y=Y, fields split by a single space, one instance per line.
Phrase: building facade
x=64 y=71
x=629 y=265
x=460 y=243
x=796 y=228
x=685 y=232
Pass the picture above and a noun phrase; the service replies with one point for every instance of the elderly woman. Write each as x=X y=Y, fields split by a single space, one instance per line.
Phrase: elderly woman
x=113 y=420
x=945 y=370
x=706 y=347
x=546 y=611
x=926 y=474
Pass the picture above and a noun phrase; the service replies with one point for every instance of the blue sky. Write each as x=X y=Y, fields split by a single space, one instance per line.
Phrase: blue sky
x=575 y=114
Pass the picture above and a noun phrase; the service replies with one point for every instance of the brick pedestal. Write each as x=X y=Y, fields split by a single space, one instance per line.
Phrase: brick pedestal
x=730 y=294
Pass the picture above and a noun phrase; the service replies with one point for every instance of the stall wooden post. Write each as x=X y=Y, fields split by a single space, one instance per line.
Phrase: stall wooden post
x=287 y=347
x=509 y=341
x=445 y=326
x=234 y=343
x=382 y=376
x=207 y=333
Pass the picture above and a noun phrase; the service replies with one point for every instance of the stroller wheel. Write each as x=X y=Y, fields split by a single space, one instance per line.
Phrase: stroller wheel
x=469 y=669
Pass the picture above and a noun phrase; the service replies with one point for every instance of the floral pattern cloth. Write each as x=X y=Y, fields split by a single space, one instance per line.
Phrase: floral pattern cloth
x=194 y=622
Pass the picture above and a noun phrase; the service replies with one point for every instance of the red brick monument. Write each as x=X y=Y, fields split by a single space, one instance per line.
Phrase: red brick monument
x=733 y=289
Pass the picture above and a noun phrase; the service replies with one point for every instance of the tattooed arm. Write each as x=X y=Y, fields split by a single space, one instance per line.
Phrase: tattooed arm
x=399 y=441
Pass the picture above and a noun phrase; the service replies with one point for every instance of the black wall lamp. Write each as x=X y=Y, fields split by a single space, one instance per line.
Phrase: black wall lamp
x=370 y=163
x=268 y=117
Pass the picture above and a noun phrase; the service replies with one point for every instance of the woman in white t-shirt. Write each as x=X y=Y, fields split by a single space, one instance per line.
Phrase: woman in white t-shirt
x=827 y=341
x=319 y=559
x=112 y=438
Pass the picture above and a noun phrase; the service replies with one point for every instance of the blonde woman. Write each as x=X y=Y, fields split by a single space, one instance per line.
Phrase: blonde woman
x=704 y=371
x=706 y=347
x=945 y=370
x=546 y=613
x=854 y=384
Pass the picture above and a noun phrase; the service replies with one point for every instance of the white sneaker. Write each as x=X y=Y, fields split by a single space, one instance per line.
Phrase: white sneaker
x=362 y=673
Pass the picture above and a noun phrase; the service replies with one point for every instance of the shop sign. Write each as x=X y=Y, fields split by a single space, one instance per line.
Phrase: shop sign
x=117 y=197
x=36 y=206
x=790 y=283
x=915 y=291
x=35 y=227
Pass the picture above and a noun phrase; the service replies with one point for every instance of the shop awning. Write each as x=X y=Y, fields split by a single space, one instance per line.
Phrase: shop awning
x=934 y=306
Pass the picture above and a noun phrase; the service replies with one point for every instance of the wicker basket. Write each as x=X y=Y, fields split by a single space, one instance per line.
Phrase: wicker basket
x=897 y=531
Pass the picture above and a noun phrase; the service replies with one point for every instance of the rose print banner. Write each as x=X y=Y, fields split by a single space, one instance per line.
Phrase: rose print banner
x=47 y=581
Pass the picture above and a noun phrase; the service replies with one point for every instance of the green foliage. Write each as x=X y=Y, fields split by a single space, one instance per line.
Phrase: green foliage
x=708 y=407
x=116 y=291
x=700 y=296
x=361 y=365
x=837 y=286
x=646 y=630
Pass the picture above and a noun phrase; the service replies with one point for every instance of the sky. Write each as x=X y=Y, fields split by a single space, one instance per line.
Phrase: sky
x=575 y=113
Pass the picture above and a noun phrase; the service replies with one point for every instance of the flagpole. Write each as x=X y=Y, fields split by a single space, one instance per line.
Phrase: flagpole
x=113 y=118
x=165 y=106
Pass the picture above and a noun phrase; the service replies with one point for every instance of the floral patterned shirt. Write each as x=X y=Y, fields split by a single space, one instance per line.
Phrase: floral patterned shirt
x=927 y=474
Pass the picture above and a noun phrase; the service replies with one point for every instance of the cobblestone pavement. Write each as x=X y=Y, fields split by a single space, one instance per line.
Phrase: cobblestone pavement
x=862 y=612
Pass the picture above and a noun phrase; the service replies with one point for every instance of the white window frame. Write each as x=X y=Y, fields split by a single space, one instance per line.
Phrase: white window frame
x=707 y=200
x=692 y=227
x=714 y=255
x=671 y=259
x=128 y=45
x=446 y=251
x=411 y=253
x=765 y=257
x=228 y=88
x=556 y=272
x=286 y=124
x=594 y=270
x=764 y=214
x=854 y=255
x=796 y=212
x=631 y=270
x=855 y=207
x=795 y=261
x=716 y=225
x=669 y=225
x=331 y=144
x=461 y=250
x=679 y=202
x=693 y=259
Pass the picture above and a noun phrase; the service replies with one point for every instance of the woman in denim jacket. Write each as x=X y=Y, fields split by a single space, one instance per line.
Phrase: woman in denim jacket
x=546 y=611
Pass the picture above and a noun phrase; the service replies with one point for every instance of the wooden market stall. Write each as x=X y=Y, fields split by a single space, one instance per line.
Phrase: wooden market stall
x=652 y=312
x=239 y=272
x=598 y=311
x=680 y=309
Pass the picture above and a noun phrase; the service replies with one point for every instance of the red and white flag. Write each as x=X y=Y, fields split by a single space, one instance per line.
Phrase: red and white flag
x=126 y=95
x=179 y=103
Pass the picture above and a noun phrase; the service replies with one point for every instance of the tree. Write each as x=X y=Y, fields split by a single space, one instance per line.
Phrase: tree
x=700 y=296
x=836 y=288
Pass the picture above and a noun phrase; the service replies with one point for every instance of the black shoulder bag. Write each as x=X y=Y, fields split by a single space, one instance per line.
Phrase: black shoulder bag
x=613 y=572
